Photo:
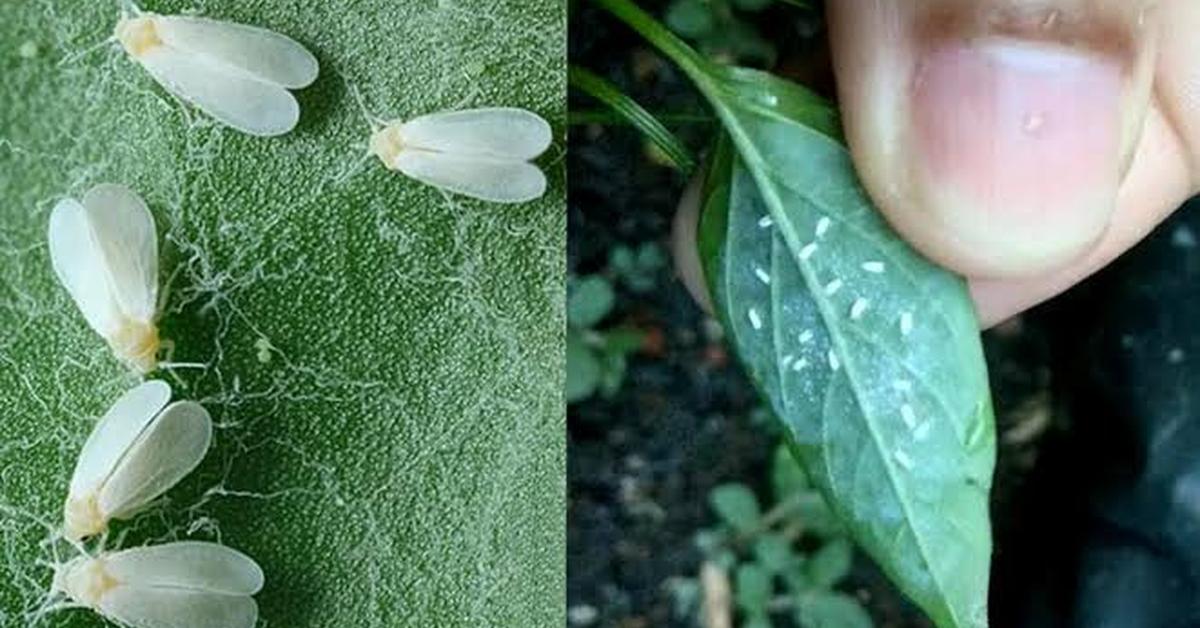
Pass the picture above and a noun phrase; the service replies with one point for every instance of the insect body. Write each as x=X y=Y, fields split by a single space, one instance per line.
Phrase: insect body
x=140 y=448
x=238 y=74
x=105 y=252
x=481 y=153
x=176 y=585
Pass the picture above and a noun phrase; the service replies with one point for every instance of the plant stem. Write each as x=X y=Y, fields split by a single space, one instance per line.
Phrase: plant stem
x=635 y=114
x=690 y=61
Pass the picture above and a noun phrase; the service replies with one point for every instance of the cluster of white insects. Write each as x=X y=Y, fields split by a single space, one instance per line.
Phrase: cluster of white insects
x=138 y=450
x=104 y=250
x=240 y=75
x=919 y=430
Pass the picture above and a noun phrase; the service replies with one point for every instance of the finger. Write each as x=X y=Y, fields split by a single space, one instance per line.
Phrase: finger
x=1163 y=174
x=995 y=135
x=1158 y=182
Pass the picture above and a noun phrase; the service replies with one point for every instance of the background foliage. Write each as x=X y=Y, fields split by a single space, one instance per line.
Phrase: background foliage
x=378 y=450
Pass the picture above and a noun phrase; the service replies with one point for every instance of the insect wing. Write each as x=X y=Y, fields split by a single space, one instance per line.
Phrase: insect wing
x=77 y=261
x=124 y=234
x=505 y=133
x=192 y=565
x=168 y=450
x=252 y=52
x=495 y=180
x=115 y=434
x=243 y=103
x=160 y=607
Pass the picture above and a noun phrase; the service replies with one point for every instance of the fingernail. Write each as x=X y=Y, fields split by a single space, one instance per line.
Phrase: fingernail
x=1018 y=147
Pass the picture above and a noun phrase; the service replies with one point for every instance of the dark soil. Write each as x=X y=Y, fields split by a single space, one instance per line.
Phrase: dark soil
x=641 y=464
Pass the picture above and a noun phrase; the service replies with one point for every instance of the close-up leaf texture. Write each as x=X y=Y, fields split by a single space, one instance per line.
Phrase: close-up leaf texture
x=383 y=361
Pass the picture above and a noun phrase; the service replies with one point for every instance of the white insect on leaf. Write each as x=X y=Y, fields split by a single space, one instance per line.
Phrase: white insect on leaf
x=174 y=585
x=755 y=319
x=238 y=74
x=481 y=153
x=105 y=252
x=823 y=226
x=140 y=448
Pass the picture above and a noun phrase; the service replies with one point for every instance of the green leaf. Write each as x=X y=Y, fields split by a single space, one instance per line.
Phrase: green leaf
x=583 y=369
x=384 y=363
x=787 y=477
x=612 y=372
x=823 y=609
x=830 y=564
x=626 y=107
x=813 y=512
x=758 y=621
x=915 y=497
x=589 y=300
x=736 y=505
x=752 y=586
x=774 y=553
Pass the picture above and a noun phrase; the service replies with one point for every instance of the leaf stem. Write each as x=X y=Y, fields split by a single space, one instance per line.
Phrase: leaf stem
x=690 y=61
x=635 y=114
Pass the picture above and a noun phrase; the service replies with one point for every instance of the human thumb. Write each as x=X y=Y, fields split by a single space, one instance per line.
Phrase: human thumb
x=994 y=134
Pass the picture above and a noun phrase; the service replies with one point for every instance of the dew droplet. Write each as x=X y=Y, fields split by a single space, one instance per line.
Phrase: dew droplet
x=762 y=275
x=808 y=250
x=765 y=222
x=873 y=267
x=832 y=287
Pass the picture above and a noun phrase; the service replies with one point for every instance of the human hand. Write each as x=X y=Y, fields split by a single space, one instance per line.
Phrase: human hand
x=1024 y=144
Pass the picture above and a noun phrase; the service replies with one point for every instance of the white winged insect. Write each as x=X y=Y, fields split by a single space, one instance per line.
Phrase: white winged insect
x=238 y=74
x=186 y=584
x=140 y=448
x=481 y=153
x=105 y=252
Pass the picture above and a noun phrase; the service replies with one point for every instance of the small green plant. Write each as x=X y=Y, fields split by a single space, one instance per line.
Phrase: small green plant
x=596 y=359
x=785 y=561
x=637 y=267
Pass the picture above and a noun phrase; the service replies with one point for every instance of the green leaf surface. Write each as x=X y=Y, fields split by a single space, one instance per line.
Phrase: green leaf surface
x=869 y=353
x=583 y=369
x=384 y=363
x=589 y=300
x=822 y=609
x=752 y=586
x=787 y=476
x=774 y=553
x=894 y=423
x=830 y=564
x=737 y=506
